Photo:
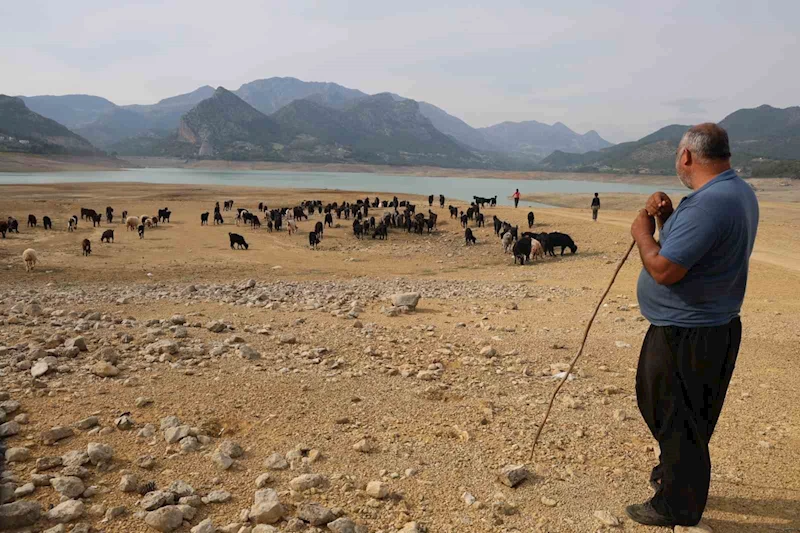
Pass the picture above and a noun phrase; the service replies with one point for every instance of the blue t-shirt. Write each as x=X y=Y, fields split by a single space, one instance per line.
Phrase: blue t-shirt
x=711 y=234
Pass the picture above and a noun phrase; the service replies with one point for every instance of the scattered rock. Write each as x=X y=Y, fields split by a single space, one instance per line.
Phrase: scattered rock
x=315 y=514
x=363 y=446
x=231 y=449
x=276 y=461
x=267 y=508
x=129 y=483
x=513 y=475
x=68 y=486
x=406 y=299
x=308 y=481
x=287 y=338
x=99 y=453
x=378 y=490
x=87 y=423
x=165 y=519
x=156 y=499
x=263 y=480
x=66 y=511
x=206 y=526
x=9 y=429
x=18 y=455
x=56 y=434
x=607 y=518
x=105 y=369
x=222 y=460
x=217 y=496
x=19 y=514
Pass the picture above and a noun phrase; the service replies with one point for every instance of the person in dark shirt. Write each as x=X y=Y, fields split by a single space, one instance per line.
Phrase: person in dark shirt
x=691 y=291
x=595 y=206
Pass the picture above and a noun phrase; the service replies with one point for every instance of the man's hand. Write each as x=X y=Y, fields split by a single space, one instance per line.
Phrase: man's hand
x=659 y=205
x=643 y=225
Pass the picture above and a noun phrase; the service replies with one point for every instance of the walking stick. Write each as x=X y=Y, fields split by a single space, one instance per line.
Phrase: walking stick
x=580 y=350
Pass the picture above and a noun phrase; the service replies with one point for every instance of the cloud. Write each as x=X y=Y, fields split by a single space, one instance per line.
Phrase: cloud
x=617 y=69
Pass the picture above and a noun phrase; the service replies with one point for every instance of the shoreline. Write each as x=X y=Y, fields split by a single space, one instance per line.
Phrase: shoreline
x=27 y=163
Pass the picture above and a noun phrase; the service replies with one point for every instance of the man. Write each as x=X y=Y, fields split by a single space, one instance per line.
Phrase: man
x=595 y=206
x=691 y=290
x=516 y=198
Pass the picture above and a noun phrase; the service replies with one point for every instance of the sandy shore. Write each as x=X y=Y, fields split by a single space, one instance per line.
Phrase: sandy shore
x=442 y=418
x=16 y=162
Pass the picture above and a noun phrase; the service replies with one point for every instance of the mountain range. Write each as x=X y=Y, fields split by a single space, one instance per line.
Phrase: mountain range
x=22 y=130
x=286 y=119
x=764 y=141
x=133 y=127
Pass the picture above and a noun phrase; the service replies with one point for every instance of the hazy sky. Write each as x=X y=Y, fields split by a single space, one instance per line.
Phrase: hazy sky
x=622 y=67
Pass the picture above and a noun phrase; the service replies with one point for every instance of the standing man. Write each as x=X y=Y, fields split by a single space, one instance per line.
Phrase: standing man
x=691 y=290
x=515 y=196
x=595 y=206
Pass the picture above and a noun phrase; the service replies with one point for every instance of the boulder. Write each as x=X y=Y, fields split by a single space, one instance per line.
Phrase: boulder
x=405 y=299
x=378 y=490
x=66 y=511
x=77 y=342
x=9 y=429
x=206 y=526
x=104 y=369
x=99 y=453
x=276 y=461
x=18 y=455
x=267 y=508
x=513 y=475
x=165 y=519
x=308 y=481
x=315 y=514
x=68 y=486
x=156 y=499
x=56 y=434
x=19 y=514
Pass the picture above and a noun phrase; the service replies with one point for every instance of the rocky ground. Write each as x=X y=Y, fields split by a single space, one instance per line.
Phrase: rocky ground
x=371 y=386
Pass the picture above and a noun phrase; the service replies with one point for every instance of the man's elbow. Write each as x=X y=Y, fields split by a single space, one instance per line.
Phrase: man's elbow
x=669 y=276
x=664 y=278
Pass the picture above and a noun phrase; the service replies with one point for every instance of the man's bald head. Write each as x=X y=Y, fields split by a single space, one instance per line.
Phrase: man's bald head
x=708 y=142
x=704 y=152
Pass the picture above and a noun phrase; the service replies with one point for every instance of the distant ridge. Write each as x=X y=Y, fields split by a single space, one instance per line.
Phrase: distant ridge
x=23 y=130
x=765 y=141
x=327 y=122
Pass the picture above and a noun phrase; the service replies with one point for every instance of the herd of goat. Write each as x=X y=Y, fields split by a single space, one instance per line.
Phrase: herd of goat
x=397 y=214
x=403 y=215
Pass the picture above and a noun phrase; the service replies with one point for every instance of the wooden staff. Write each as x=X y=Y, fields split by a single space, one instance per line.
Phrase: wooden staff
x=580 y=350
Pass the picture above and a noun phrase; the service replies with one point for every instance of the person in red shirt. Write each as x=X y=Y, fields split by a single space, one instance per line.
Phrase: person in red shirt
x=515 y=196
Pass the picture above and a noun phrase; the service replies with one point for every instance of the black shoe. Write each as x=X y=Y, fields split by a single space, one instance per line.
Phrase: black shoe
x=644 y=514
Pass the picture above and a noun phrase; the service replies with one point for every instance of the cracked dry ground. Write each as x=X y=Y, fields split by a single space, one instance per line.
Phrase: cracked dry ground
x=387 y=422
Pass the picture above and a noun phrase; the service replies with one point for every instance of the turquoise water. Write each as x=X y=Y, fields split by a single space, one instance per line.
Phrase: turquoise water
x=455 y=188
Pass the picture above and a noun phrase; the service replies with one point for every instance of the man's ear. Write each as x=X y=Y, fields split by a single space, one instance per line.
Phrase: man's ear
x=687 y=158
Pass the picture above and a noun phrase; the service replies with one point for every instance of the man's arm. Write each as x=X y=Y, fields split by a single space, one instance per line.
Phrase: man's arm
x=664 y=271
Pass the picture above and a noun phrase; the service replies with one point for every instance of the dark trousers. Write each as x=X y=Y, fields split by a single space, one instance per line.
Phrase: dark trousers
x=516 y=202
x=681 y=383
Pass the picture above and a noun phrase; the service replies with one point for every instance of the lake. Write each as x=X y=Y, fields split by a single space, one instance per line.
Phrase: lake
x=458 y=188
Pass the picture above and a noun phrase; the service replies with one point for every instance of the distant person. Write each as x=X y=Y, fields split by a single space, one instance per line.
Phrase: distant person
x=515 y=196
x=691 y=291
x=595 y=206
